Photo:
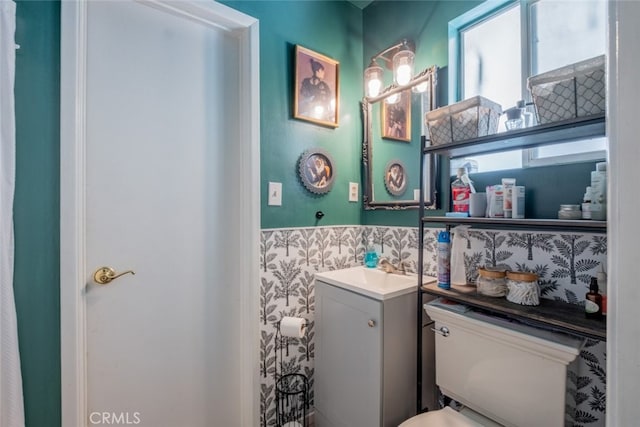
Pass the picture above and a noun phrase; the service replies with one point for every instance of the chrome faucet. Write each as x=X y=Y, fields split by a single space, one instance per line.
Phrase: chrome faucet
x=385 y=265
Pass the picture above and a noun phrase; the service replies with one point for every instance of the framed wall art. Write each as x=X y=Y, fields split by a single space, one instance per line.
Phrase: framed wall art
x=316 y=170
x=396 y=118
x=317 y=89
x=395 y=178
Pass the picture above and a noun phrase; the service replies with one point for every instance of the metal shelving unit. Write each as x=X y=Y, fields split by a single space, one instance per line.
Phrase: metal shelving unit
x=526 y=223
x=536 y=136
x=565 y=131
x=556 y=315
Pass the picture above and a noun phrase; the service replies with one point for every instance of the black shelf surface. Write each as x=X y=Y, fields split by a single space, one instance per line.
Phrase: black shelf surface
x=552 y=133
x=526 y=223
x=550 y=314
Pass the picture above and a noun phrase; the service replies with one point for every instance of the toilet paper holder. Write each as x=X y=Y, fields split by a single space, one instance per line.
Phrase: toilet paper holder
x=292 y=389
x=292 y=327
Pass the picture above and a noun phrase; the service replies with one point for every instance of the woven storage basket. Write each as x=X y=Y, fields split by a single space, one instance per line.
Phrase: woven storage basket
x=576 y=90
x=471 y=118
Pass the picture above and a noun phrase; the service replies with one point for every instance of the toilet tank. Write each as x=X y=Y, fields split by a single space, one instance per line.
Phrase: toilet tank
x=512 y=373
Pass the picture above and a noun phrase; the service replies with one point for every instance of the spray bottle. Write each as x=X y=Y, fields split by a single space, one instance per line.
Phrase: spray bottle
x=444 y=257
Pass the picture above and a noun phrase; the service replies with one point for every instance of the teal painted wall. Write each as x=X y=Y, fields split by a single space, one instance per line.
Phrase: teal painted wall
x=332 y=28
x=335 y=29
x=426 y=23
x=37 y=207
x=547 y=187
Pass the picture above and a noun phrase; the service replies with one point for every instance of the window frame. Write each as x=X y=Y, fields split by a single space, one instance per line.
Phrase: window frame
x=482 y=13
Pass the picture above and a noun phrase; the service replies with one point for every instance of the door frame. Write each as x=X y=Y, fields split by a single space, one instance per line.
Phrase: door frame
x=73 y=275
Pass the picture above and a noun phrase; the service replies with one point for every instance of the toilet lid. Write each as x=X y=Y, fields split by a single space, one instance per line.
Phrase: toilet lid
x=445 y=417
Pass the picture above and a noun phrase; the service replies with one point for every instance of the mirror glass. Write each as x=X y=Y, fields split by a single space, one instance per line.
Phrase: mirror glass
x=391 y=147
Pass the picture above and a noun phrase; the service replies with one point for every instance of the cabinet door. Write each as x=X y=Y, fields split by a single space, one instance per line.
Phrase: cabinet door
x=348 y=362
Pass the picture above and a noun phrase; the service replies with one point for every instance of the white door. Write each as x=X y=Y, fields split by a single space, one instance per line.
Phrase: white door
x=163 y=193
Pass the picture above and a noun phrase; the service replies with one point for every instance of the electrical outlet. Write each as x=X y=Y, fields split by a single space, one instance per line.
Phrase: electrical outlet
x=353 y=191
x=275 y=194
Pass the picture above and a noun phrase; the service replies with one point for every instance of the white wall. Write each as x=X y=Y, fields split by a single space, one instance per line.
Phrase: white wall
x=623 y=346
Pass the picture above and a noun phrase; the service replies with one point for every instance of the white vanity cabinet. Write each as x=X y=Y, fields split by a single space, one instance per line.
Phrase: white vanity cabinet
x=365 y=356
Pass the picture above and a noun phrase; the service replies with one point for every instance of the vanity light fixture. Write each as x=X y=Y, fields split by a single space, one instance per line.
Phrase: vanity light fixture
x=398 y=57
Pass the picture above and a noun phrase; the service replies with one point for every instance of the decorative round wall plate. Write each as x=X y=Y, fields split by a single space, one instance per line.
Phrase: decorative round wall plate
x=316 y=170
x=395 y=178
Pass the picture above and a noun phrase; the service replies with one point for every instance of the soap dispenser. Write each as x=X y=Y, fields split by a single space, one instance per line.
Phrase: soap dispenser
x=370 y=255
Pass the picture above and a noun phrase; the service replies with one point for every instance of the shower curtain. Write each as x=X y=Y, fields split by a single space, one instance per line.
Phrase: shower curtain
x=11 y=403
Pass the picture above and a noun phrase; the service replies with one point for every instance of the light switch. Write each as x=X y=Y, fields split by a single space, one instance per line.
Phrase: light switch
x=275 y=194
x=416 y=194
x=353 y=191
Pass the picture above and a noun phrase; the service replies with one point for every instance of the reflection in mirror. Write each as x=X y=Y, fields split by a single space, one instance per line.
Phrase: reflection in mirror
x=391 y=146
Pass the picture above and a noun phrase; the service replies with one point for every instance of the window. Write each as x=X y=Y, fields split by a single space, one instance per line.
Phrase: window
x=496 y=46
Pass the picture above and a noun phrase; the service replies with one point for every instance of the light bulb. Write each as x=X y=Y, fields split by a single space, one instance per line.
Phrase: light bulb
x=372 y=79
x=421 y=87
x=403 y=74
x=373 y=87
x=403 y=66
x=392 y=99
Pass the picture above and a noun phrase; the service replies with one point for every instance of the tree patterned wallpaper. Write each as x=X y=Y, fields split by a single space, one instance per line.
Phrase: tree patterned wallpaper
x=289 y=258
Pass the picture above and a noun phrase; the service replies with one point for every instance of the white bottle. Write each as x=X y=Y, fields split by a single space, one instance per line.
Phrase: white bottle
x=507 y=187
x=586 y=204
x=599 y=192
x=528 y=118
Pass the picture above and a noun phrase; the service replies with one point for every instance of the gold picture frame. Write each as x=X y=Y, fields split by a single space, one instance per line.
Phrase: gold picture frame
x=396 y=118
x=317 y=88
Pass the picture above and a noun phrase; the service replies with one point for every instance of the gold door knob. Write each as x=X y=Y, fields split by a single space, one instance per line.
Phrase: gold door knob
x=105 y=275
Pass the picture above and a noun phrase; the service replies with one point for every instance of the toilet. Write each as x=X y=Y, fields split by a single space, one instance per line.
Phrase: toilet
x=504 y=373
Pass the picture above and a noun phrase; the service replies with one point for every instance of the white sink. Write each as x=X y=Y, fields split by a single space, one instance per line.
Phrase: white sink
x=371 y=282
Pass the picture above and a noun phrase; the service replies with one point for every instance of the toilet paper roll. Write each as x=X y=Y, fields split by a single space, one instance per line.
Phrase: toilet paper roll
x=292 y=327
